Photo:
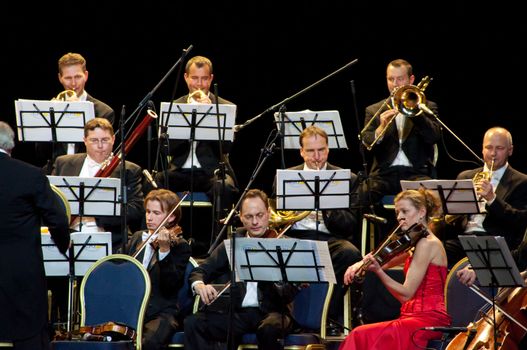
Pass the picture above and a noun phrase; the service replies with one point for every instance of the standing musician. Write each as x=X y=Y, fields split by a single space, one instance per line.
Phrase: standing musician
x=165 y=257
x=206 y=158
x=26 y=202
x=421 y=293
x=260 y=307
x=99 y=139
x=505 y=195
x=334 y=226
x=73 y=76
x=406 y=150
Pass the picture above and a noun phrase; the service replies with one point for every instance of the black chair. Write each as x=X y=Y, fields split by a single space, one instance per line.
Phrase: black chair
x=115 y=289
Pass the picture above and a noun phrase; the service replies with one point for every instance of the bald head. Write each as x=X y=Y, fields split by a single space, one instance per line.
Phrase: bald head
x=497 y=147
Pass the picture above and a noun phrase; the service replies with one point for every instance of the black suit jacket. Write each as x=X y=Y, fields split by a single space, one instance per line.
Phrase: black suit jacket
x=272 y=298
x=511 y=193
x=207 y=152
x=419 y=136
x=26 y=203
x=166 y=276
x=340 y=222
x=71 y=165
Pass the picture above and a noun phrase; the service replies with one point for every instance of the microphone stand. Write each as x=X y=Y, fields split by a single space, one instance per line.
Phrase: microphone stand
x=124 y=194
x=219 y=203
x=274 y=107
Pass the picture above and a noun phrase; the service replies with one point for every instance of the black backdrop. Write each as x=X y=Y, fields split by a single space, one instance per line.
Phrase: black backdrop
x=264 y=52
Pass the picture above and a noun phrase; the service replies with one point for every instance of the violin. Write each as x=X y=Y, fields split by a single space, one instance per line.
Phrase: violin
x=116 y=330
x=509 y=330
x=397 y=242
x=174 y=234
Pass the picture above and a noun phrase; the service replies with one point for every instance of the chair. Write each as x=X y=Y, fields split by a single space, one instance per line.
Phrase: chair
x=462 y=304
x=115 y=288
x=4 y=344
x=186 y=302
x=310 y=308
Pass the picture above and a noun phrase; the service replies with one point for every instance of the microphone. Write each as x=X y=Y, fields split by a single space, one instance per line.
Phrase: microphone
x=96 y=337
x=150 y=179
x=375 y=218
x=425 y=109
x=445 y=329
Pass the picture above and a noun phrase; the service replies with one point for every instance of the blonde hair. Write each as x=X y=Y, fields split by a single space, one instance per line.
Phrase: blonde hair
x=422 y=198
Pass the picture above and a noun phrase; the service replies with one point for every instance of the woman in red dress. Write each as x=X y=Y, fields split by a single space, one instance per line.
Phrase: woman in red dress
x=421 y=294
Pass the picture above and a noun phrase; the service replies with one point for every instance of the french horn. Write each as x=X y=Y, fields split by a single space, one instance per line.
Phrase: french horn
x=278 y=219
x=66 y=95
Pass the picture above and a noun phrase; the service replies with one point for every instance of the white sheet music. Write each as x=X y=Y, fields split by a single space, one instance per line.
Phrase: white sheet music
x=305 y=260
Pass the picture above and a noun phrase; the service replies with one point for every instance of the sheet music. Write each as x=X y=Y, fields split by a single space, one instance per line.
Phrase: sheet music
x=309 y=261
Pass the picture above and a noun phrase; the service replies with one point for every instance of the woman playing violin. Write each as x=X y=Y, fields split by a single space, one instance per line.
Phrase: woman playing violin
x=165 y=258
x=421 y=293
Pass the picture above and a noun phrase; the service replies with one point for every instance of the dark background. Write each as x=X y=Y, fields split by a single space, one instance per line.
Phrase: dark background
x=265 y=52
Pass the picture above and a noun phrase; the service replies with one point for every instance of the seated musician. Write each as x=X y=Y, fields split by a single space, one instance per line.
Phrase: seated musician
x=421 y=294
x=260 y=307
x=165 y=257
x=99 y=139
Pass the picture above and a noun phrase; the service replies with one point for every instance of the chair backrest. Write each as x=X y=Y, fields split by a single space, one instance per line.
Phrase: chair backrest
x=311 y=305
x=462 y=304
x=185 y=297
x=115 y=288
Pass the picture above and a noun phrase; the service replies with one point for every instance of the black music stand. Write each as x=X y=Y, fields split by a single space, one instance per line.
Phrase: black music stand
x=295 y=122
x=52 y=121
x=197 y=122
x=491 y=260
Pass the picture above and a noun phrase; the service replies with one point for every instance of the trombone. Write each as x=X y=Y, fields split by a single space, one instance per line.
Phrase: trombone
x=406 y=100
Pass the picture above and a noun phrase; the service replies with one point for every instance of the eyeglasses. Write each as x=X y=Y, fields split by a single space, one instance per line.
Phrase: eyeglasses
x=104 y=141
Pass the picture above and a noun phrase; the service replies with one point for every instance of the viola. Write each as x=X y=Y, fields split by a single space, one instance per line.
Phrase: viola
x=397 y=242
x=510 y=330
x=113 y=329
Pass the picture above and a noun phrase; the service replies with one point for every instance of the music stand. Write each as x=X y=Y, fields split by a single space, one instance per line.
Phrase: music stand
x=493 y=264
x=52 y=121
x=457 y=196
x=197 y=122
x=295 y=122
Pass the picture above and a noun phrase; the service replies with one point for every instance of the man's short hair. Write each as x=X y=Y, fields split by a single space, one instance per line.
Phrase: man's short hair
x=255 y=193
x=71 y=59
x=7 y=137
x=312 y=130
x=98 y=123
x=402 y=63
x=199 y=61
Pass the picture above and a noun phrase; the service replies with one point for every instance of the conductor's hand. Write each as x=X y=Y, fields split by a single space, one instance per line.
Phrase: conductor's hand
x=206 y=292
x=466 y=275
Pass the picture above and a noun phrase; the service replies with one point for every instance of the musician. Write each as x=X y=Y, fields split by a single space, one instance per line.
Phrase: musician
x=337 y=227
x=165 y=258
x=421 y=294
x=73 y=75
x=504 y=196
x=260 y=307
x=99 y=139
x=406 y=151
x=27 y=202
x=206 y=159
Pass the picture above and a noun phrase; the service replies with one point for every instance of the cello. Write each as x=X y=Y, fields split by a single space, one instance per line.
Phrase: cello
x=501 y=328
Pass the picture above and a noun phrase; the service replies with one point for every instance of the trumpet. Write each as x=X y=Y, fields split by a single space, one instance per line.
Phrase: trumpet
x=197 y=96
x=406 y=100
x=66 y=95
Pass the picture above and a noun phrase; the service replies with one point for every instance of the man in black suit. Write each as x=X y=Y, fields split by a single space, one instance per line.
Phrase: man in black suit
x=26 y=203
x=260 y=307
x=407 y=150
x=73 y=76
x=336 y=227
x=99 y=139
x=165 y=256
x=206 y=158
x=504 y=198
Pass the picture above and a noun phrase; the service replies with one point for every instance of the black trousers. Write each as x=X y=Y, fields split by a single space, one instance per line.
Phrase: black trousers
x=158 y=331
x=203 y=329
x=40 y=341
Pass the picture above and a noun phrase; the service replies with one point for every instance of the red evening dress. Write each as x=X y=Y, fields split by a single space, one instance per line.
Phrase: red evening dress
x=425 y=309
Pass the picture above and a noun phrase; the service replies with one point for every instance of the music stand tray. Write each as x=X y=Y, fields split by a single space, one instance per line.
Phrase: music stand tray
x=90 y=196
x=87 y=248
x=295 y=122
x=313 y=190
x=52 y=121
x=492 y=261
x=457 y=196
x=284 y=260
x=198 y=122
